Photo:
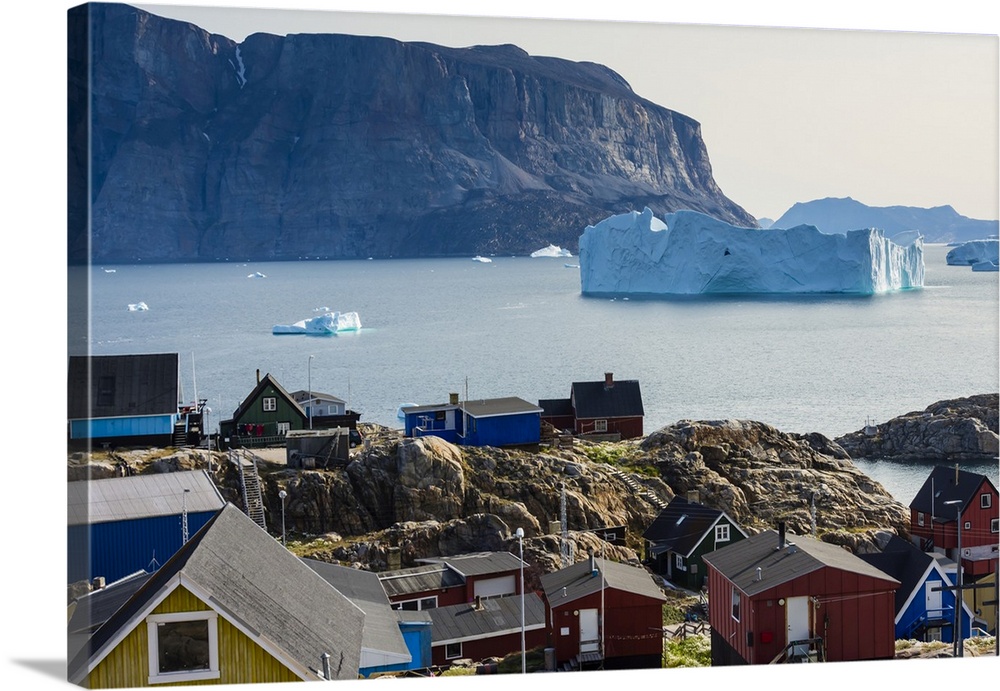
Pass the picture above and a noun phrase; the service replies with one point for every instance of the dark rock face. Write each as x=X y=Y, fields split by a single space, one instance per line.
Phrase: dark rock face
x=961 y=429
x=341 y=146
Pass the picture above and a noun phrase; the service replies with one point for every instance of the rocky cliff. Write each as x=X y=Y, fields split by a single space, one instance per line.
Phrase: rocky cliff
x=959 y=429
x=337 y=146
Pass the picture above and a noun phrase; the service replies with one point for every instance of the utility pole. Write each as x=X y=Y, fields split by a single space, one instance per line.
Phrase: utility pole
x=564 y=547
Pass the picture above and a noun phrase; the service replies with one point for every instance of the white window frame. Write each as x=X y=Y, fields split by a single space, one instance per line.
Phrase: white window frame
x=736 y=603
x=269 y=404
x=920 y=518
x=679 y=562
x=985 y=500
x=600 y=425
x=450 y=645
x=995 y=525
x=423 y=603
x=722 y=533
x=284 y=428
x=152 y=623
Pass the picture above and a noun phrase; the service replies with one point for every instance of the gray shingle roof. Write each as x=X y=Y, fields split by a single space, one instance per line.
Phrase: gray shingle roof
x=499 y=406
x=495 y=616
x=578 y=581
x=478 y=563
x=801 y=555
x=418 y=579
x=682 y=525
x=141 y=496
x=942 y=479
x=103 y=386
x=249 y=578
x=594 y=399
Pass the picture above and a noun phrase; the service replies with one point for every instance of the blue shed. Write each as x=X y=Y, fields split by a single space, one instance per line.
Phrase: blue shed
x=117 y=526
x=508 y=421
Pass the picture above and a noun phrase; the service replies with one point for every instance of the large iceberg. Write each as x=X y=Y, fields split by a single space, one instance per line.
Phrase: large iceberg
x=689 y=253
x=329 y=323
x=974 y=252
x=551 y=251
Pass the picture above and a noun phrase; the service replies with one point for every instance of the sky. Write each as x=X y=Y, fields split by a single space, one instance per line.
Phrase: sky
x=775 y=135
x=788 y=114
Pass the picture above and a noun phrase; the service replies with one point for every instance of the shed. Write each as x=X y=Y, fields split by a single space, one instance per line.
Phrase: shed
x=117 y=526
x=497 y=422
x=443 y=581
x=486 y=628
x=317 y=448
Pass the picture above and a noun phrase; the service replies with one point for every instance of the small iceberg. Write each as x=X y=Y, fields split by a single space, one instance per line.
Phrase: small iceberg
x=110 y=271
x=985 y=266
x=484 y=260
x=551 y=251
x=138 y=307
x=256 y=274
x=399 y=411
x=572 y=266
x=325 y=324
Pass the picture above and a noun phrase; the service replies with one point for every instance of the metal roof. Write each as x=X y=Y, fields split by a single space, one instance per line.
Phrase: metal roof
x=578 y=580
x=492 y=407
x=102 y=386
x=681 y=526
x=494 y=616
x=594 y=399
x=141 y=496
x=418 y=579
x=943 y=481
x=478 y=563
x=252 y=580
x=801 y=555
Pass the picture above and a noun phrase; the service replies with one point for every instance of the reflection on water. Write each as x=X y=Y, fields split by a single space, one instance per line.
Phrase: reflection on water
x=904 y=479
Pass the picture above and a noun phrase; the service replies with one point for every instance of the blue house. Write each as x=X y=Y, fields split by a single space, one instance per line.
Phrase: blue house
x=118 y=526
x=508 y=421
x=923 y=612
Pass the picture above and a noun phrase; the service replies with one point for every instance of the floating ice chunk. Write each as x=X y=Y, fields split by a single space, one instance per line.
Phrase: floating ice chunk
x=329 y=323
x=256 y=274
x=974 y=252
x=986 y=266
x=138 y=307
x=484 y=260
x=399 y=411
x=691 y=253
x=552 y=251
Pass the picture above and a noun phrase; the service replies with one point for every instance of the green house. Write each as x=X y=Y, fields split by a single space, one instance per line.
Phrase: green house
x=683 y=532
x=264 y=417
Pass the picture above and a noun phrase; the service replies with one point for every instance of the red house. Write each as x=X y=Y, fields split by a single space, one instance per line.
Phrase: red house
x=455 y=580
x=603 y=611
x=600 y=407
x=486 y=628
x=776 y=599
x=947 y=496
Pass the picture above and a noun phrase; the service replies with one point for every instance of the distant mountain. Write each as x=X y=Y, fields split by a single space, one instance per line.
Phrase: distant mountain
x=765 y=222
x=188 y=146
x=836 y=215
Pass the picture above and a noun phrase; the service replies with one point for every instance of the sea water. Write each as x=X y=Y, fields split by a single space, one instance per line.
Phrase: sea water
x=518 y=326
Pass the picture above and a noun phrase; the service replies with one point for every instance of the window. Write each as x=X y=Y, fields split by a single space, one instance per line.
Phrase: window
x=995 y=525
x=284 y=427
x=270 y=404
x=967 y=526
x=920 y=518
x=679 y=562
x=985 y=501
x=722 y=533
x=415 y=605
x=736 y=604
x=452 y=650
x=183 y=646
x=439 y=416
x=600 y=425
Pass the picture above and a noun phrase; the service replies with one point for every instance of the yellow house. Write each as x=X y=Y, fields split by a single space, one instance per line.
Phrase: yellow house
x=986 y=614
x=232 y=606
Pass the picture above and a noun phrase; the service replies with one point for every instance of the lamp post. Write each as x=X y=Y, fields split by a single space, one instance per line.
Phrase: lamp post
x=309 y=401
x=957 y=631
x=281 y=495
x=520 y=547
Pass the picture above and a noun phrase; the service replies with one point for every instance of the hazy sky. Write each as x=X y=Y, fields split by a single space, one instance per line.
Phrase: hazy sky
x=788 y=114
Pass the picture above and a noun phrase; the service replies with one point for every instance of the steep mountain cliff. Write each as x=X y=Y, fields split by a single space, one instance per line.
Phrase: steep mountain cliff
x=325 y=145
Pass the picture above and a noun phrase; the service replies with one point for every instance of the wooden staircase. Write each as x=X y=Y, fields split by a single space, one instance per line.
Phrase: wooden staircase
x=636 y=487
x=180 y=434
x=253 y=501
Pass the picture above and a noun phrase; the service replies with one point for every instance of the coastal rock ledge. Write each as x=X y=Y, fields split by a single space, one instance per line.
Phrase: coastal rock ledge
x=959 y=429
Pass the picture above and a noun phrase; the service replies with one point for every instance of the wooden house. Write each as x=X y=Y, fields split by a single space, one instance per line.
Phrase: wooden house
x=117 y=526
x=383 y=647
x=459 y=579
x=319 y=404
x=923 y=610
x=232 y=606
x=264 y=417
x=951 y=497
x=604 y=614
x=608 y=407
x=681 y=534
x=777 y=598
x=125 y=400
x=497 y=422
x=486 y=628
x=982 y=601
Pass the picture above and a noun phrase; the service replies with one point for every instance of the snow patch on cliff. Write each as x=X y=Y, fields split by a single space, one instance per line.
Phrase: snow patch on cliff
x=690 y=253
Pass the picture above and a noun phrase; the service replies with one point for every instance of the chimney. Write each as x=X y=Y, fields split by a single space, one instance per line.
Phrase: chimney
x=453 y=398
x=593 y=564
x=479 y=602
x=97 y=583
x=781 y=535
x=694 y=496
x=258 y=375
x=956 y=475
x=609 y=380
x=325 y=657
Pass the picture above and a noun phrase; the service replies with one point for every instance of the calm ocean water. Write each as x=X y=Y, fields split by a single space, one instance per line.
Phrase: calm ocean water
x=520 y=327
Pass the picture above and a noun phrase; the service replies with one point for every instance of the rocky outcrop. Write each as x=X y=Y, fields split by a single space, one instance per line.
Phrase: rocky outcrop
x=188 y=146
x=960 y=429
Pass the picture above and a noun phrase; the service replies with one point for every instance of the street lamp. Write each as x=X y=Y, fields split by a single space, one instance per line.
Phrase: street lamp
x=309 y=400
x=520 y=546
x=281 y=495
x=957 y=632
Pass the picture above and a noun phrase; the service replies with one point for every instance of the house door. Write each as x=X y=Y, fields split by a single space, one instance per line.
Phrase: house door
x=590 y=637
x=932 y=599
x=797 y=621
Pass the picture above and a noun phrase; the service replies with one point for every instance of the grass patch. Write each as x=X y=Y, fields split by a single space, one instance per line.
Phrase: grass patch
x=693 y=651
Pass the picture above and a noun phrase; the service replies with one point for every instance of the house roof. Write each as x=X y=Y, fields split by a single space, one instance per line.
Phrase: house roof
x=419 y=579
x=410 y=409
x=103 y=386
x=381 y=632
x=493 y=407
x=478 y=563
x=303 y=395
x=594 y=399
x=903 y=561
x=495 y=616
x=141 y=496
x=266 y=381
x=578 y=581
x=96 y=607
x=682 y=526
x=942 y=480
x=739 y=561
x=251 y=580
x=556 y=407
